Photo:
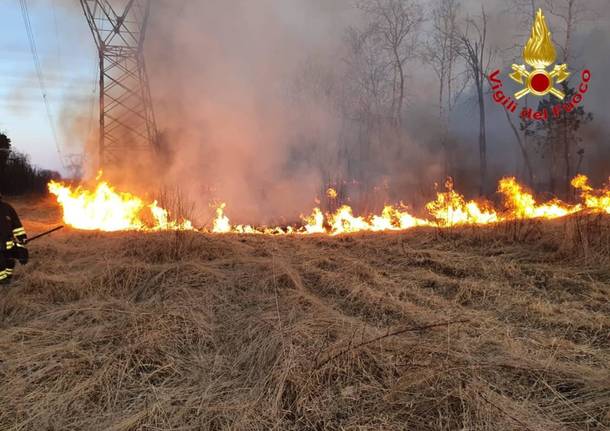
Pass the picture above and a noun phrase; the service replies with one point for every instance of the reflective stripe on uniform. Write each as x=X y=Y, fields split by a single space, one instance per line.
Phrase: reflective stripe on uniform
x=9 y=271
x=2 y=275
x=9 y=245
x=19 y=231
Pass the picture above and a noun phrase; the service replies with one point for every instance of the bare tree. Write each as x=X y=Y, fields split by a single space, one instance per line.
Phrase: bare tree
x=366 y=95
x=375 y=85
x=368 y=76
x=570 y=13
x=393 y=27
x=559 y=151
x=316 y=91
x=441 y=53
x=521 y=136
x=525 y=11
x=472 y=46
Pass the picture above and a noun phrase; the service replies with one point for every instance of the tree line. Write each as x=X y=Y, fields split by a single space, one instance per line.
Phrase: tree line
x=17 y=175
x=397 y=38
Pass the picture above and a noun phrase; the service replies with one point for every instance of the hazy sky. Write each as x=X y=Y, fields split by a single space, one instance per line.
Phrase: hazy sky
x=68 y=58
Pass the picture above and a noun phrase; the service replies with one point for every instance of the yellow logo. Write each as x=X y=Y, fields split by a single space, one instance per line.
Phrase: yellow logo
x=539 y=53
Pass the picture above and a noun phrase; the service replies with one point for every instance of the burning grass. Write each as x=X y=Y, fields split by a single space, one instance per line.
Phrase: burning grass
x=183 y=330
x=106 y=209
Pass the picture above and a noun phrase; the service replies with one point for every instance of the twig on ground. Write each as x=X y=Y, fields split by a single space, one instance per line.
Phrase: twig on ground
x=390 y=334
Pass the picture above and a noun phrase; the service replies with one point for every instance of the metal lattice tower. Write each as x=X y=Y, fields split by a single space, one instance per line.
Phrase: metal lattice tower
x=127 y=120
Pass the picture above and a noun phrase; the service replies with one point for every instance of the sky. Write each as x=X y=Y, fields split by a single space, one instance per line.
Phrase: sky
x=68 y=59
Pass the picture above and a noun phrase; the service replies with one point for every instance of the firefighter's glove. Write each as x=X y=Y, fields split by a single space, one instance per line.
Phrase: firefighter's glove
x=21 y=238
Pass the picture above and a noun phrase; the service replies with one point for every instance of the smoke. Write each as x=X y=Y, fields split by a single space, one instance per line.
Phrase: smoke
x=249 y=97
x=223 y=78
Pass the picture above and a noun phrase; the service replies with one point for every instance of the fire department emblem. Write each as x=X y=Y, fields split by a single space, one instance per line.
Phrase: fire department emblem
x=539 y=53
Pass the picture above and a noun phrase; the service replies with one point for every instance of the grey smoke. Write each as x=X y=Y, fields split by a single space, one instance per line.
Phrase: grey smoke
x=244 y=92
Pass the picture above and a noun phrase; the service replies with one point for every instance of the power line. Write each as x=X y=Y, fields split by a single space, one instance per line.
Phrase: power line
x=28 y=28
x=56 y=34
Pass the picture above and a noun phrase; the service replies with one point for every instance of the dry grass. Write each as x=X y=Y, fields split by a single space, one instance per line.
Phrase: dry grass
x=190 y=331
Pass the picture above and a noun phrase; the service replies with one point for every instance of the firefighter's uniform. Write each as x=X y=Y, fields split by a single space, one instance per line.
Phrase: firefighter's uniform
x=12 y=242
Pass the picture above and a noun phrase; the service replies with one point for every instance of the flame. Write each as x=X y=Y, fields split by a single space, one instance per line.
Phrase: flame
x=522 y=205
x=596 y=200
x=108 y=210
x=221 y=222
x=161 y=216
x=342 y=221
x=450 y=209
x=331 y=193
x=394 y=219
x=315 y=222
x=539 y=51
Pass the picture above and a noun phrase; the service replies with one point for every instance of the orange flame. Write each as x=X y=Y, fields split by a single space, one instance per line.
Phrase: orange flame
x=522 y=205
x=108 y=210
x=450 y=209
x=315 y=222
x=596 y=200
x=221 y=222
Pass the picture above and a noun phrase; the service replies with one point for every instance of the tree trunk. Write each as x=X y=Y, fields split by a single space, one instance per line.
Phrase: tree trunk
x=441 y=120
x=526 y=158
x=566 y=156
x=482 y=139
x=401 y=94
x=553 y=165
x=569 y=19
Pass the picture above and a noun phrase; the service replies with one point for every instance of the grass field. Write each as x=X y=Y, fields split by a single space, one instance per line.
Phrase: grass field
x=181 y=331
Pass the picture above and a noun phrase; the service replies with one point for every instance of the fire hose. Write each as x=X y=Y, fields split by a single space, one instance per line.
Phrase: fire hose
x=40 y=235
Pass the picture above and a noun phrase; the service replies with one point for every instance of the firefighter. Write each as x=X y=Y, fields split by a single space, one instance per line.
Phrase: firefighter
x=12 y=242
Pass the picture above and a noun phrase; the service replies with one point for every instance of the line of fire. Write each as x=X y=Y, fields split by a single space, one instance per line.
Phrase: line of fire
x=104 y=208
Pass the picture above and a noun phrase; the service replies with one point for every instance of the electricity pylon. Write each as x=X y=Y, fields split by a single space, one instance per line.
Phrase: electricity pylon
x=74 y=163
x=127 y=119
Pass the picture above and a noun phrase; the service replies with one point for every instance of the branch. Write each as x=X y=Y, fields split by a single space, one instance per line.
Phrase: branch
x=391 y=334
